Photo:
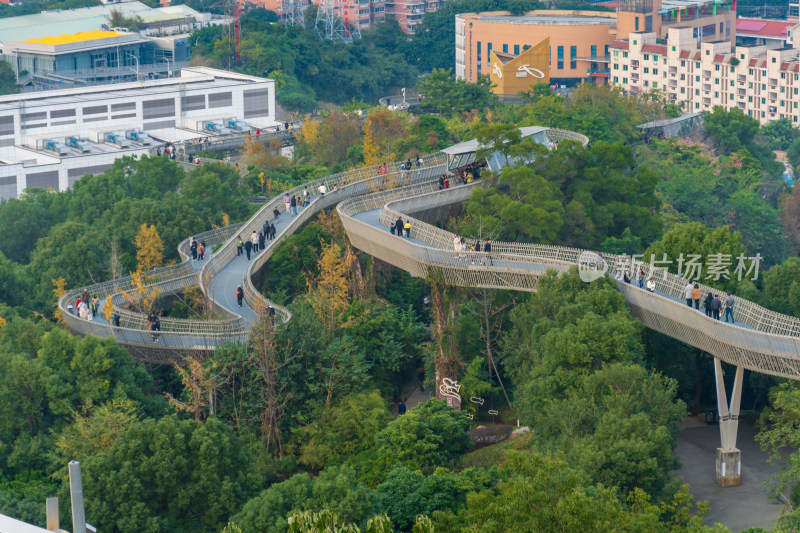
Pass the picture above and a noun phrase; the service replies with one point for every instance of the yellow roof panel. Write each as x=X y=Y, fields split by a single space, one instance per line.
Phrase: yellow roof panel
x=79 y=37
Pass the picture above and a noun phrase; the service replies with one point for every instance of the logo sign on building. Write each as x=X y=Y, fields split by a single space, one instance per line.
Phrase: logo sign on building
x=512 y=74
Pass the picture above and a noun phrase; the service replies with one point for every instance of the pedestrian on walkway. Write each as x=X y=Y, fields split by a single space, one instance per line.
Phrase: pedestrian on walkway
x=287 y=202
x=457 y=245
x=446 y=183
x=115 y=318
x=201 y=250
x=305 y=197
x=322 y=189
x=716 y=305
x=651 y=284
x=271 y=313
x=687 y=293
x=407 y=227
x=239 y=295
x=401 y=408
x=156 y=328
x=261 y=240
x=641 y=278
x=239 y=245
x=248 y=246
x=626 y=277
x=398 y=226
x=272 y=231
x=391 y=228
x=441 y=182
x=707 y=304
x=95 y=305
x=293 y=206
x=696 y=294
x=275 y=213
x=488 y=249
x=254 y=240
x=729 y=301
x=193 y=248
x=86 y=298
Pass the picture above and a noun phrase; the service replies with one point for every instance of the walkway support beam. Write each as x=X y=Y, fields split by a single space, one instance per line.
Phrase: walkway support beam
x=729 y=458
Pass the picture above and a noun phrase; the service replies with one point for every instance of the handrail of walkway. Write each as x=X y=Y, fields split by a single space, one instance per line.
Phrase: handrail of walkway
x=763 y=344
x=750 y=313
x=193 y=335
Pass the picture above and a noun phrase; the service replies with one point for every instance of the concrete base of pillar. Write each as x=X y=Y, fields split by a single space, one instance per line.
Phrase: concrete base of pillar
x=729 y=467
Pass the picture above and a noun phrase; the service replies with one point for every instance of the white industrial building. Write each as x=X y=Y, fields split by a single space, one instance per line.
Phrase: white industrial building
x=50 y=139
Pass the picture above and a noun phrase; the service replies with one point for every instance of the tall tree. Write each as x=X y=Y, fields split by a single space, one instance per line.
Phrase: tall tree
x=149 y=248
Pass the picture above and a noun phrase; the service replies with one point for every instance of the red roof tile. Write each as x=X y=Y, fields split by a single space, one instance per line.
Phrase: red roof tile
x=784 y=65
x=654 y=49
x=795 y=67
x=753 y=62
x=622 y=45
x=696 y=56
x=719 y=58
x=685 y=54
x=763 y=27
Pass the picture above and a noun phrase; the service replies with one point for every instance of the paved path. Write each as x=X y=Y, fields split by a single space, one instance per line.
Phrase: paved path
x=735 y=507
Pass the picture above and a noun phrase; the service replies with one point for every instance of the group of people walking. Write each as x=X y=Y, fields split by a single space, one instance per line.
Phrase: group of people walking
x=87 y=306
x=712 y=303
x=198 y=249
x=399 y=226
x=257 y=241
x=460 y=245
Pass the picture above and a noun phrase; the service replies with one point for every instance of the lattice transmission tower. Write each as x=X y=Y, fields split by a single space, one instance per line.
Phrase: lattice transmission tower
x=333 y=24
x=294 y=12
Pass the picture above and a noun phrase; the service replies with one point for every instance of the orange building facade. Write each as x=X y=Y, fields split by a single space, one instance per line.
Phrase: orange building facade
x=579 y=41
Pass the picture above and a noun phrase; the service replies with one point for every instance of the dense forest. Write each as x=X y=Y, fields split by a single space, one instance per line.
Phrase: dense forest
x=305 y=428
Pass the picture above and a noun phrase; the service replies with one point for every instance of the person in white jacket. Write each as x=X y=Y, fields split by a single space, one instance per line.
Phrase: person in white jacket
x=651 y=284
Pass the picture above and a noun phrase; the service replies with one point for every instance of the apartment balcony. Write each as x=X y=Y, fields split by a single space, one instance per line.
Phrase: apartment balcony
x=773 y=96
x=673 y=83
x=706 y=101
x=634 y=76
x=707 y=87
x=742 y=78
x=741 y=105
x=673 y=70
x=741 y=92
x=773 y=83
x=707 y=73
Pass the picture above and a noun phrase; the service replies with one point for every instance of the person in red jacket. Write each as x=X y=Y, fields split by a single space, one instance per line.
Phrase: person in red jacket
x=239 y=295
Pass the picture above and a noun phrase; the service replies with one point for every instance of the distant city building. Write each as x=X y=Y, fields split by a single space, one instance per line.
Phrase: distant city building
x=580 y=40
x=360 y=13
x=774 y=33
x=43 y=56
x=51 y=139
x=763 y=82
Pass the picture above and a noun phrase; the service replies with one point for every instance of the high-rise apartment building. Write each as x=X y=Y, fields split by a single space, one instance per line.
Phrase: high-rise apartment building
x=763 y=82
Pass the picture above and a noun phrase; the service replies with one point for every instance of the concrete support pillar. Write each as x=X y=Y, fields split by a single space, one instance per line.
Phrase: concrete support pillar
x=729 y=458
x=76 y=492
x=53 y=523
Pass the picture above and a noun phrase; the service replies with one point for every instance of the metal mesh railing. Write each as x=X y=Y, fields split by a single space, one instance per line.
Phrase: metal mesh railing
x=769 y=342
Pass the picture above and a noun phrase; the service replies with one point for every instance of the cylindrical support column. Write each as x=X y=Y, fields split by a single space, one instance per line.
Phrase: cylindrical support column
x=76 y=493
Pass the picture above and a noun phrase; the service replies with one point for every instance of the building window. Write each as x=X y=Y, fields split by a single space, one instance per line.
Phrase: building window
x=750 y=99
x=624 y=54
x=646 y=57
x=763 y=100
x=655 y=85
x=560 y=55
x=683 y=63
x=646 y=70
x=655 y=59
x=624 y=67
x=479 y=55
x=625 y=81
x=634 y=42
x=573 y=57
x=655 y=71
x=636 y=24
x=616 y=53
x=683 y=90
x=526 y=47
x=616 y=79
x=697 y=92
x=773 y=59
x=505 y=48
x=697 y=79
x=749 y=85
x=605 y=51
x=731 y=83
x=594 y=50
x=516 y=49
x=674 y=48
x=488 y=52
x=763 y=86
